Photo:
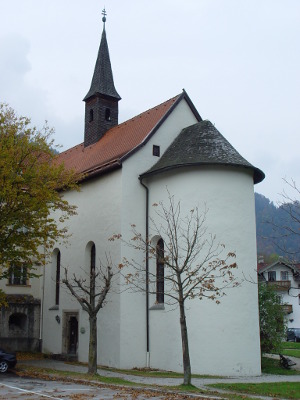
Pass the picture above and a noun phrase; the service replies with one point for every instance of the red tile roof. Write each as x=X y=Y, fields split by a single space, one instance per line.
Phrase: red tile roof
x=116 y=143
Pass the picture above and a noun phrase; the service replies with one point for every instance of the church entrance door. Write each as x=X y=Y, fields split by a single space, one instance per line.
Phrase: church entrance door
x=70 y=333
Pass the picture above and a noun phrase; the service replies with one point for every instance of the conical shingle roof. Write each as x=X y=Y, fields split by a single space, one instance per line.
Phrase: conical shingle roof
x=201 y=144
x=102 y=82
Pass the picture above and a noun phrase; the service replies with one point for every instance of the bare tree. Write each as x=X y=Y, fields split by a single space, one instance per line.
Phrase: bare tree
x=192 y=266
x=91 y=293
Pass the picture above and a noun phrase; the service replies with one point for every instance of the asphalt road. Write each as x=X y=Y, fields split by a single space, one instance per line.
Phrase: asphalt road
x=13 y=387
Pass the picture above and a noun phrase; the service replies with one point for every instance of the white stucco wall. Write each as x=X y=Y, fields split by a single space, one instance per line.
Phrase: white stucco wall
x=133 y=305
x=98 y=217
x=224 y=339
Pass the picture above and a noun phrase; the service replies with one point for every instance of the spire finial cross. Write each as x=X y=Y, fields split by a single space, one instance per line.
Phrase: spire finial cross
x=104 y=13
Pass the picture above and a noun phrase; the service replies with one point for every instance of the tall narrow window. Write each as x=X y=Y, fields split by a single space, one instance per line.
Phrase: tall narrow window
x=107 y=114
x=57 y=279
x=93 y=259
x=160 y=286
x=91 y=115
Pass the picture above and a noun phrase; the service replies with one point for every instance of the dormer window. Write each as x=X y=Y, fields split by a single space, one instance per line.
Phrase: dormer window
x=107 y=114
x=91 y=115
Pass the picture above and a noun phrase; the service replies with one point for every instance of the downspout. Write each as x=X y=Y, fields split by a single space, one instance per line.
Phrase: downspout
x=42 y=306
x=147 y=274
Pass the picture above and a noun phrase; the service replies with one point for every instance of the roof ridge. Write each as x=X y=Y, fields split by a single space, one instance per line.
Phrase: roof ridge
x=124 y=122
x=150 y=109
x=119 y=142
x=71 y=148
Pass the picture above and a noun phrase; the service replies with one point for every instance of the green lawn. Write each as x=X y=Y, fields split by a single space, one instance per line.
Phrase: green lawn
x=287 y=390
x=291 y=345
x=271 y=366
x=291 y=352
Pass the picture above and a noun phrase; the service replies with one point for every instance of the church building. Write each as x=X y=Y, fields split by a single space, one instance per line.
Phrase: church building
x=127 y=167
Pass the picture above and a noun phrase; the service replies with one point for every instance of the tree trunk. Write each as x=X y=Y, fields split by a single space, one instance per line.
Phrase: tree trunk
x=92 y=369
x=185 y=346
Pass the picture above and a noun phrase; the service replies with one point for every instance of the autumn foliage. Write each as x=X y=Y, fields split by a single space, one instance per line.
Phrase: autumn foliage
x=31 y=186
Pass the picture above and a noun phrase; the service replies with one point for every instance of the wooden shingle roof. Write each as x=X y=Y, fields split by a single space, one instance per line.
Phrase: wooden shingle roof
x=201 y=144
x=103 y=82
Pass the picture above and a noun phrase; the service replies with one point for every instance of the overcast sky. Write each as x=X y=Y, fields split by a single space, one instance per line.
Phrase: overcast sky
x=238 y=61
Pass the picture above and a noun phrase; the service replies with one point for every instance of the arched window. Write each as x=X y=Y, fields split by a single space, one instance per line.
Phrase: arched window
x=17 y=321
x=57 y=279
x=160 y=286
x=93 y=259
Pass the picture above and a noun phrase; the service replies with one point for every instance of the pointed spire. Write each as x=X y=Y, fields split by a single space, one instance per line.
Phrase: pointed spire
x=102 y=82
x=101 y=102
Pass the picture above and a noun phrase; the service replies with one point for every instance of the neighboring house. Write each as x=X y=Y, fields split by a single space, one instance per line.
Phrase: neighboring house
x=20 y=320
x=126 y=167
x=285 y=279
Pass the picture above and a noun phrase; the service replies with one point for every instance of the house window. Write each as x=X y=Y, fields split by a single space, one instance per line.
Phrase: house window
x=91 y=115
x=272 y=276
x=18 y=275
x=284 y=275
x=156 y=150
x=160 y=289
x=107 y=114
x=57 y=280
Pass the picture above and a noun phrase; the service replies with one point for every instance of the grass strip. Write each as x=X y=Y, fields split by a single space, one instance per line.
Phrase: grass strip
x=291 y=345
x=86 y=379
x=271 y=366
x=52 y=374
x=287 y=390
x=291 y=352
x=147 y=372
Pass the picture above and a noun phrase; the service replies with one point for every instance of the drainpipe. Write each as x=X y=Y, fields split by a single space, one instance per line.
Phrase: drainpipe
x=42 y=306
x=147 y=274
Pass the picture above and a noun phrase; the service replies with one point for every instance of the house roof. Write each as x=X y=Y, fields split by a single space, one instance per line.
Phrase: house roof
x=263 y=267
x=102 y=82
x=119 y=141
x=201 y=144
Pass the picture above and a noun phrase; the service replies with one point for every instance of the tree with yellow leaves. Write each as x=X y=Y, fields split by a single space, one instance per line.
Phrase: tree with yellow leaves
x=31 y=187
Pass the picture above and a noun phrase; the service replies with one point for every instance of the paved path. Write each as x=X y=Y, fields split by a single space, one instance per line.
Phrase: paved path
x=199 y=382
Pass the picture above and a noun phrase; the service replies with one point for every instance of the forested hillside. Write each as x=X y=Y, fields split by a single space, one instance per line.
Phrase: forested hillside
x=276 y=231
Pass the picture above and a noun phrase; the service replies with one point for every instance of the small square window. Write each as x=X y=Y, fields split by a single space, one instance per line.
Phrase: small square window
x=156 y=150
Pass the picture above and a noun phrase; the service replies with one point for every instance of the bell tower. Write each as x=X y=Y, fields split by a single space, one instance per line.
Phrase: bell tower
x=101 y=101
